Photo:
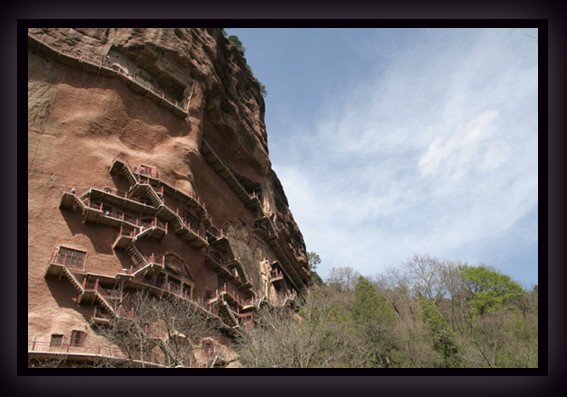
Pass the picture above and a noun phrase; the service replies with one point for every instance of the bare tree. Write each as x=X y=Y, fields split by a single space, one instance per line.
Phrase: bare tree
x=423 y=274
x=320 y=336
x=158 y=331
x=457 y=308
x=396 y=287
x=344 y=278
x=413 y=346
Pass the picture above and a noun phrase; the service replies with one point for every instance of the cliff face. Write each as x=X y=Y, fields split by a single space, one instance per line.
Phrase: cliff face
x=178 y=107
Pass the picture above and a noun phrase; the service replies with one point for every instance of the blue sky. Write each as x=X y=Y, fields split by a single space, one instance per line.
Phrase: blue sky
x=395 y=141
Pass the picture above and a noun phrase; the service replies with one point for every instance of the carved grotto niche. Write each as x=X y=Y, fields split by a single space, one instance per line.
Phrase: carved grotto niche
x=177 y=274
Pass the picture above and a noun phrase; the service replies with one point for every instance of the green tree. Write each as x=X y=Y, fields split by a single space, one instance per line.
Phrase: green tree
x=236 y=41
x=488 y=289
x=521 y=347
x=430 y=315
x=263 y=90
x=442 y=335
x=242 y=50
x=368 y=307
x=314 y=260
x=376 y=319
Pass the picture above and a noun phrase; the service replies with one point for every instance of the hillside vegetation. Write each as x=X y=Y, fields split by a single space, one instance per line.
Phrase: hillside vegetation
x=427 y=313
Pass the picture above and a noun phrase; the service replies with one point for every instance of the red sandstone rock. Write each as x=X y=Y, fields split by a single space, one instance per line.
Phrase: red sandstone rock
x=182 y=102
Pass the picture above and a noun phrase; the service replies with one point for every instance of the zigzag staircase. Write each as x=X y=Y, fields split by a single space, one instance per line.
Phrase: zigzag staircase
x=90 y=290
x=142 y=265
x=175 y=221
x=136 y=187
x=226 y=314
x=121 y=167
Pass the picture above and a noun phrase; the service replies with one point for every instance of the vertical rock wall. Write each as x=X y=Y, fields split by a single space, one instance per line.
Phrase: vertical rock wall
x=104 y=104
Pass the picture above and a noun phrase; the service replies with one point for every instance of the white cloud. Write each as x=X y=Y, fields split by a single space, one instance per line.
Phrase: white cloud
x=474 y=146
x=435 y=155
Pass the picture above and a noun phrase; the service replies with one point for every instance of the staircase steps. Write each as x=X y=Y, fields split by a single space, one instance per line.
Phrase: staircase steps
x=226 y=313
x=154 y=198
x=76 y=280
x=133 y=251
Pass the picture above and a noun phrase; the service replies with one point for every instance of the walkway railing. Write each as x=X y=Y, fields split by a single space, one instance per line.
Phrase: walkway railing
x=233 y=295
x=124 y=194
x=215 y=256
x=145 y=179
x=107 y=296
x=95 y=65
x=216 y=233
x=147 y=225
x=99 y=313
x=126 y=232
x=171 y=289
x=276 y=274
x=90 y=351
x=64 y=348
x=189 y=225
x=115 y=214
x=67 y=260
x=224 y=172
x=143 y=262
x=265 y=229
x=192 y=195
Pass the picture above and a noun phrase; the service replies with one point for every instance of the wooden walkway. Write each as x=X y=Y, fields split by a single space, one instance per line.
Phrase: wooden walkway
x=48 y=52
x=263 y=225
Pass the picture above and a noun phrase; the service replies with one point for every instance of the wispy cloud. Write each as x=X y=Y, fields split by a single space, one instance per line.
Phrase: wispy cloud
x=434 y=154
x=471 y=147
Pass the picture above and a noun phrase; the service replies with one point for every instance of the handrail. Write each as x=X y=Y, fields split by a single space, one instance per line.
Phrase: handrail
x=214 y=231
x=188 y=225
x=122 y=159
x=242 y=272
x=218 y=234
x=146 y=262
x=215 y=256
x=99 y=207
x=154 y=223
x=39 y=346
x=90 y=285
x=106 y=65
x=264 y=228
x=97 y=313
x=73 y=190
x=66 y=260
x=197 y=302
x=138 y=177
x=276 y=273
x=122 y=194
x=80 y=280
x=126 y=232
x=108 y=294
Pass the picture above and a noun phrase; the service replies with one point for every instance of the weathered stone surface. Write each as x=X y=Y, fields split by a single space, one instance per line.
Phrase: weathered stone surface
x=159 y=98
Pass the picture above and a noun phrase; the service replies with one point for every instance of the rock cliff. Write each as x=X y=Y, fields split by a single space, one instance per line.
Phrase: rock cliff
x=158 y=133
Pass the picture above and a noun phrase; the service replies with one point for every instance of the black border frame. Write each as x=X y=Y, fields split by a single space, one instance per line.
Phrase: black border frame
x=545 y=16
